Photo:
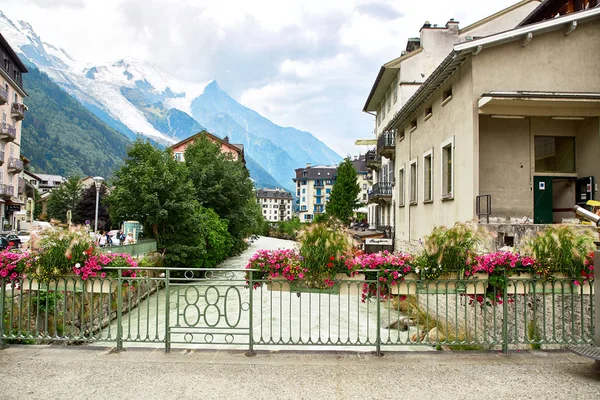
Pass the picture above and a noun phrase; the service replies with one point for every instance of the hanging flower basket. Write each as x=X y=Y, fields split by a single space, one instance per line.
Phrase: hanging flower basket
x=408 y=286
x=71 y=283
x=477 y=283
x=521 y=283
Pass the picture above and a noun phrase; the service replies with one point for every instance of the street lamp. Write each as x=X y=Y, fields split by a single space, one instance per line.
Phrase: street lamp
x=98 y=182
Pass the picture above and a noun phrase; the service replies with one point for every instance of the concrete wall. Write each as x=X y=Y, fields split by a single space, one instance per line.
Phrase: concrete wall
x=455 y=120
x=551 y=62
x=588 y=150
x=507 y=21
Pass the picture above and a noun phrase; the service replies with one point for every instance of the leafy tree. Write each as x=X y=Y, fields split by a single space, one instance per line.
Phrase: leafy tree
x=86 y=209
x=343 y=198
x=65 y=197
x=223 y=185
x=153 y=188
x=37 y=210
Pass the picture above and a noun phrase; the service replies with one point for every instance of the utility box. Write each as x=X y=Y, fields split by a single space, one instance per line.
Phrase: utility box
x=133 y=227
x=377 y=245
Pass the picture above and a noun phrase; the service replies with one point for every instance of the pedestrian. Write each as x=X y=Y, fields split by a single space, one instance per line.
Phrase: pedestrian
x=102 y=240
x=129 y=239
x=109 y=241
x=121 y=237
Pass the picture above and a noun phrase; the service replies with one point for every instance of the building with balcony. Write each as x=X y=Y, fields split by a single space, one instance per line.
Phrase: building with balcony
x=12 y=113
x=313 y=187
x=394 y=164
x=276 y=204
x=364 y=179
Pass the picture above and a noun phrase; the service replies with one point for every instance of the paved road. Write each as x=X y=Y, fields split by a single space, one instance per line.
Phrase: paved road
x=84 y=373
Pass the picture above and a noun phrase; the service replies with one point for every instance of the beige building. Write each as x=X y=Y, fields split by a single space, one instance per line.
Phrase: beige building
x=12 y=111
x=396 y=83
x=276 y=204
x=505 y=127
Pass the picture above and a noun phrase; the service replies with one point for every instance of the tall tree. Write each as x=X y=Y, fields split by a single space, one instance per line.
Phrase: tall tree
x=153 y=188
x=343 y=198
x=64 y=198
x=86 y=209
x=224 y=185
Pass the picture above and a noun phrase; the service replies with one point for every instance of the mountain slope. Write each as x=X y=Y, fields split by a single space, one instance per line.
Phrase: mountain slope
x=300 y=145
x=60 y=136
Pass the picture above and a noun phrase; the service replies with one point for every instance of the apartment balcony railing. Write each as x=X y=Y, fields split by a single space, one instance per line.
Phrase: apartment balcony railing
x=7 y=190
x=18 y=111
x=373 y=160
x=380 y=192
x=386 y=144
x=8 y=132
x=3 y=96
x=15 y=165
x=319 y=185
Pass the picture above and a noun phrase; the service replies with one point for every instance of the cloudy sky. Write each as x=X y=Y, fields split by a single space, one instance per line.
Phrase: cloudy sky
x=304 y=63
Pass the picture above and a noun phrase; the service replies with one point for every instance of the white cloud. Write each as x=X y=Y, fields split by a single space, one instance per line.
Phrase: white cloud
x=303 y=63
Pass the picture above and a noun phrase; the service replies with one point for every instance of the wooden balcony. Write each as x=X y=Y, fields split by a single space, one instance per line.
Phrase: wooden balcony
x=3 y=96
x=15 y=165
x=8 y=132
x=7 y=191
x=18 y=111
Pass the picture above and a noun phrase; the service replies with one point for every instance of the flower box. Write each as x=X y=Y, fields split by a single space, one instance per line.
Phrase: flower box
x=408 y=286
x=278 y=284
x=560 y=283
x=477 y=283
x=520 y=284
x=350 y=285
x=447 y=283
x=71 y=284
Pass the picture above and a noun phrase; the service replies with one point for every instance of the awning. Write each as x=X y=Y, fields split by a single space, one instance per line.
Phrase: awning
x=543 y=104
x=362 y=210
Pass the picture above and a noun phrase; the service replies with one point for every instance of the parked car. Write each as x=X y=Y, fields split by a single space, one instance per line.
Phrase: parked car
x=4 y=243
x=13 y=240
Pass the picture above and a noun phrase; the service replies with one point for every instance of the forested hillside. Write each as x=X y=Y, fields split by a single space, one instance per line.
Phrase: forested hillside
x=60 y=136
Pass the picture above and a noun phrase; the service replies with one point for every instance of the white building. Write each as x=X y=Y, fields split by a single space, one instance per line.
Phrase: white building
x=313 y=187
x=276 y=204
x=12 y=111
x=396 y=83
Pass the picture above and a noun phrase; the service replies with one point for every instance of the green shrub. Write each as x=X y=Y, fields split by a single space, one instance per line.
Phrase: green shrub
x=560 y=249
x=448 y=250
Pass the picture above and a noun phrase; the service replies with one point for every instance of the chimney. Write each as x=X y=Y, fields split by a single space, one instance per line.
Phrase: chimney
x=426 y=25
x=226 y=139
x=307 y=165
x=452 y=25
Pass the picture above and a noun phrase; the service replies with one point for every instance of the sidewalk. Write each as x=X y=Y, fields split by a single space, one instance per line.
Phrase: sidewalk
x=95 y=373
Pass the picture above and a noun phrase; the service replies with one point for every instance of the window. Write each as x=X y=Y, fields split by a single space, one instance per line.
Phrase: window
x=447 y=169
x=318 y=192
x=555 y=154
x=413 y=125
x=395 y=90
x=364 y=186
x=303 y=208
x=413 y=182
x=179 y=156
x=304 y=173
x=303 y=190
x=382 y=110
x=327 y=191
x=400 y=186
x=390 y=172
x=303 y=199
x=364 y=197
x=329 y=182
x=400 y=134
x=427 y=177
x=265 y=206
x=428 y=112
x=264 y=211
x=446 y=95
x=389 y=101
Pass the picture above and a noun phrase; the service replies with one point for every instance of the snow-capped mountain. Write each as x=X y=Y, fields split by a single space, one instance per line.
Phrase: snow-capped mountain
x=135 y=98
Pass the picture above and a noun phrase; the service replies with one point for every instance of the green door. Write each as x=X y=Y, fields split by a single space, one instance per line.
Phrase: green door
x=542 y=199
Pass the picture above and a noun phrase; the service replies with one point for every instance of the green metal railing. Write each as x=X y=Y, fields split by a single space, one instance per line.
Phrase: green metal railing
x=139 y=248
x=217 y=308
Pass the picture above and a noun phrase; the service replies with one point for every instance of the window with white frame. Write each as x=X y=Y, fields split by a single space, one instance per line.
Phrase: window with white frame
x=390 y=176
x=179 y=156
x=428 y=176
x=448 y=169
x=413 y=182
x=400 y=185
x=395 y=90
